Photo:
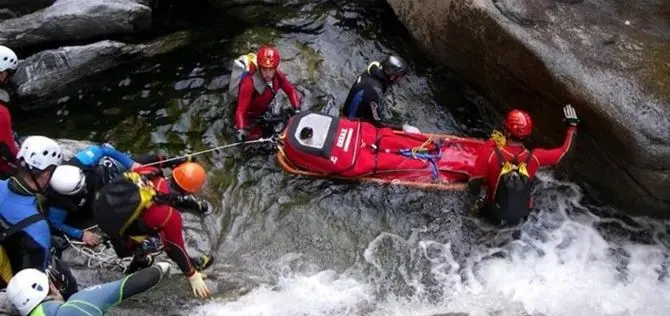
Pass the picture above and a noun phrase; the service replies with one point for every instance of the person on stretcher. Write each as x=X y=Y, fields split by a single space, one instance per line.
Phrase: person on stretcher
x=340 y=147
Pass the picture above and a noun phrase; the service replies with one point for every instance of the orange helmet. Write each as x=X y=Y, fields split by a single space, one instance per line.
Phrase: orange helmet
x=268 y=57
x=189 y=176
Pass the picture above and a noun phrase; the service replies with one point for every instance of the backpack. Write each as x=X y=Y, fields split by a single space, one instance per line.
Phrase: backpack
x=119 y=204
x=242 y=66
x=512 y=196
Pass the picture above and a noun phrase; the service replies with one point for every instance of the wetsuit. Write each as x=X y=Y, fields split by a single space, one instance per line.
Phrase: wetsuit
x=366 y=98
x=96 y=300
x=97 y=175
x=488 y=165
x=164 y=220
x=8 y=146
x=255 y=98
x=31 y=246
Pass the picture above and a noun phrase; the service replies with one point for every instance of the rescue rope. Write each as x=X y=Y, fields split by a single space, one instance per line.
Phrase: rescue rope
x=422 y=147
x=98 y=259
x=260 y=140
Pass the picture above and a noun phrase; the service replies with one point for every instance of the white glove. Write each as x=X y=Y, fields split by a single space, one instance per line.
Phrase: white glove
x=199 y=287
x=410 y=129
x=164 y=266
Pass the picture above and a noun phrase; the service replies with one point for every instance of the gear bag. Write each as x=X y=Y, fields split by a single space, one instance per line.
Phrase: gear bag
x=242 y=66
x=119 y=204
x=511 y=202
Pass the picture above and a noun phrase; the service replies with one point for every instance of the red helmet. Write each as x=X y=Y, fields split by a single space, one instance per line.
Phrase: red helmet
x=518 y=123
x=268 y=57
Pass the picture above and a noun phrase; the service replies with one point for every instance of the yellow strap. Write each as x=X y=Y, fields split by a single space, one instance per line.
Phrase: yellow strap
x=5 y=266
x=147 y=194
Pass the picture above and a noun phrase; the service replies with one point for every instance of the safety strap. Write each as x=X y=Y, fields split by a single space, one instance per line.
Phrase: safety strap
x=431 y=158
x=22 y=224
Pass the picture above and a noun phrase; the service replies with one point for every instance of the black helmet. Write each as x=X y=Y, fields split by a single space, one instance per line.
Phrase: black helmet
x=394 y=67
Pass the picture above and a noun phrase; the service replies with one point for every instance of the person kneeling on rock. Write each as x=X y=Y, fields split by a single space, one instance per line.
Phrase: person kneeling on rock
x=31 y=292
x=140 y=213
x=8 y=146
x=507 y=168
x=365 y=99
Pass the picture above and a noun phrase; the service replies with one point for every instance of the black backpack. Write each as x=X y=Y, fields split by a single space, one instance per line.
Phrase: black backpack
x=511 y=202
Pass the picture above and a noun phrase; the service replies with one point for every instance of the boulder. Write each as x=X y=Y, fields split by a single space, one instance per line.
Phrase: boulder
x=24 y=6
x=50 y=70
x=608 y=58
x=76 y=20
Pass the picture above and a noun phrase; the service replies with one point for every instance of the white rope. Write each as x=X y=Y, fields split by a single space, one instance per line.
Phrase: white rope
x=260 y=140
x=98 y=259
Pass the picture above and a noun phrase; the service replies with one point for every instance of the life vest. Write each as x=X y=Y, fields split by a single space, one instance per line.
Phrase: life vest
x=119 y=204
x=19 y=213
x=511 y=201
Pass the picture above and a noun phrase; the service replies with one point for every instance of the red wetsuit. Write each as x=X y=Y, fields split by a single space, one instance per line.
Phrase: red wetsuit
x=167 y=221
x=8 y=149
x=487 y=165
x=255 y=97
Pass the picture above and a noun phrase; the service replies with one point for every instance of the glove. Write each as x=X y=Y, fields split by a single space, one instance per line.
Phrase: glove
x=570 y=115
x=410 y=129
x=198 y=286
x=191 y=202
x=241 y=135
x=498 y=138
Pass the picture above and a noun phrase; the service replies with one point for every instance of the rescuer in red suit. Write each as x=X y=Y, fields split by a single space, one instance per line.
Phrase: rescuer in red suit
x=507 y=171
x=8 y=147
x=257 y=91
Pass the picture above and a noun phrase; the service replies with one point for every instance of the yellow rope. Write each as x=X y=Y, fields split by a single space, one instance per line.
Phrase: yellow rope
x=423 y=146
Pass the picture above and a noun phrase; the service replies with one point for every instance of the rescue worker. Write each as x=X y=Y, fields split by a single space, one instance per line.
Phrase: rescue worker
x=31 y=292
x=257 y=91
x=8 y=147
x=159 y=216
x=508 y=169
x=74 y=184
x=365 y=100
x=25 y=231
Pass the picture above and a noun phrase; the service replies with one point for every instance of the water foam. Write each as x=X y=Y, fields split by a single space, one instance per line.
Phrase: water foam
x=560 y=265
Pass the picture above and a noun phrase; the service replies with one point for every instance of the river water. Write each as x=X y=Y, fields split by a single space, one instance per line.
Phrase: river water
x=287 y=245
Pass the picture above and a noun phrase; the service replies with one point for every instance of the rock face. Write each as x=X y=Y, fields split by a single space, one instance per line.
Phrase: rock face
x=540 y=54
x=73 y=20
x=24 y=6
x=50 y=70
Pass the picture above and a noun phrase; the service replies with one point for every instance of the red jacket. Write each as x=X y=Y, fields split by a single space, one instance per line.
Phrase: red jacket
x=8 y=149
x=255 y=96
x=487 y=165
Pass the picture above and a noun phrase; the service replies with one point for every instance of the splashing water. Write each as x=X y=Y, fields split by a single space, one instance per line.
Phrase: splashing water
x=560 y=263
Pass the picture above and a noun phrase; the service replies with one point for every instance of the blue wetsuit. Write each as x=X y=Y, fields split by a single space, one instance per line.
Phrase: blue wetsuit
x=89 y=160
x=96 y=300
x=30 y=247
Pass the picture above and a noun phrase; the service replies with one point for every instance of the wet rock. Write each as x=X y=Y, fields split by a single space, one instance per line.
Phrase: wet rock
x=50 y=70
x=25 y=6
x=608 y=58
x=71 y=20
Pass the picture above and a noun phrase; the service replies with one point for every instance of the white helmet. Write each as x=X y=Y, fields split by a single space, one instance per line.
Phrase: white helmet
x=8 y=59
x=39 y=152
x=27 y=289
x=68 y=180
